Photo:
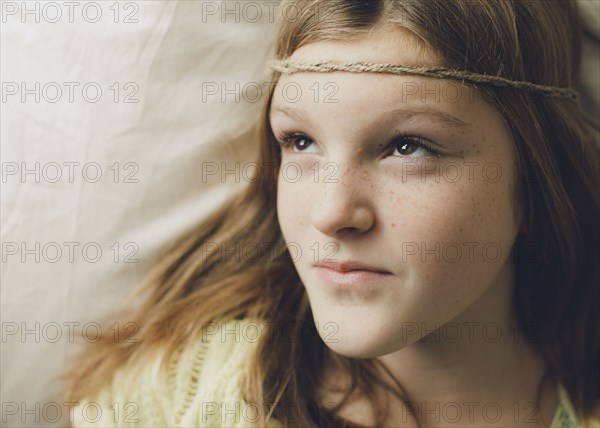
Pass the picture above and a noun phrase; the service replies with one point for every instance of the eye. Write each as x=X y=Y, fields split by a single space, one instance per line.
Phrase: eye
x=297 y=141
x=412 y=146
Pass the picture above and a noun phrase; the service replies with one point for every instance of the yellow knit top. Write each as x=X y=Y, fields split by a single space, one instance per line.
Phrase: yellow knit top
x=204 y=388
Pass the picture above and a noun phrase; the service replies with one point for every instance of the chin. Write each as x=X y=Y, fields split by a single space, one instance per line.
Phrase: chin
x=346 y=335
x=350 y=350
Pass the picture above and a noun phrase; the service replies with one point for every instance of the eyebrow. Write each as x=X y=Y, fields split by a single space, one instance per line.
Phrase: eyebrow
x=440 y=116
x=406 y=112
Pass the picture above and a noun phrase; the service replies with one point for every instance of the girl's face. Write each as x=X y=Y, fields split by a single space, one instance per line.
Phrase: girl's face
x=407 y=175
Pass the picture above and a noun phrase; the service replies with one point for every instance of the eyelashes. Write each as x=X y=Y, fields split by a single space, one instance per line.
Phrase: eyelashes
x=287 y=139
x=406 y=144
x=412 y=143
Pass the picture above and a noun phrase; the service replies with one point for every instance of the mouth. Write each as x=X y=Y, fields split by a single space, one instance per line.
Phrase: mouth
x=350 y=265
x=351 y=273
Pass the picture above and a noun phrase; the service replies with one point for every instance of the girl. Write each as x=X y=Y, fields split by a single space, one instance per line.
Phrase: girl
x=425 y=256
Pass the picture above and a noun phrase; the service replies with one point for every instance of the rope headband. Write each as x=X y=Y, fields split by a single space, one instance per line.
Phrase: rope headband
x=287 y=66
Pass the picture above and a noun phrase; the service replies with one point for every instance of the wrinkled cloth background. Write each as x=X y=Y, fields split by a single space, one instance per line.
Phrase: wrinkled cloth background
x=133 y=176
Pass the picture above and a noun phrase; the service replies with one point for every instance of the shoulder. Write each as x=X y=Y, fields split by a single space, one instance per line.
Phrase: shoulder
x=203 y=377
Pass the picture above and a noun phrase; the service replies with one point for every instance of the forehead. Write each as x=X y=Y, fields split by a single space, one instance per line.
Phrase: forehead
x=382 y=44
x=353 y=96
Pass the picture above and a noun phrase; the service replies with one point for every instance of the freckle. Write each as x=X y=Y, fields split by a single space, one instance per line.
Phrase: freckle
x=393 y=224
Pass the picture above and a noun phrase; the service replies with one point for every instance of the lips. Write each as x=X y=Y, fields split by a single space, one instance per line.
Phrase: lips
x=348 y=266
x=351 y=274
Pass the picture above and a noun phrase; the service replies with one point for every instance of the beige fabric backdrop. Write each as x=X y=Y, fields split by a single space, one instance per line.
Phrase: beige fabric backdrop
x=150 y=154
x=94 y=187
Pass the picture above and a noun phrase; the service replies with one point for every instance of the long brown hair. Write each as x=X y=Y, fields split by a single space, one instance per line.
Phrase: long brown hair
x=556 y=290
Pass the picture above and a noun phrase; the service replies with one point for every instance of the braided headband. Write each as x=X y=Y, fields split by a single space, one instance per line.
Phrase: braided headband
x=288 y=66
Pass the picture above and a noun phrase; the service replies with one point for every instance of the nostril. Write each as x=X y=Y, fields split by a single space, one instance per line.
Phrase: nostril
x=353 y=230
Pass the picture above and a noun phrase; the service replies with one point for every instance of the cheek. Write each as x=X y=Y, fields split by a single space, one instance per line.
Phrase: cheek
x=463 y=229
x=292 y=208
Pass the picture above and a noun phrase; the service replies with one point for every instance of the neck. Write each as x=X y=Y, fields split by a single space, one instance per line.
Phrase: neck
x=480 y=358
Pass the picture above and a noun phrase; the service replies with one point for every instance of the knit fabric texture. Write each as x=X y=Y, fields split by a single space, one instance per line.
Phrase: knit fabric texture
x=204 y=388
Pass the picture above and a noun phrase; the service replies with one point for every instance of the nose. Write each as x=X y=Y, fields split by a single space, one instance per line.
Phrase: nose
x=343 y=205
